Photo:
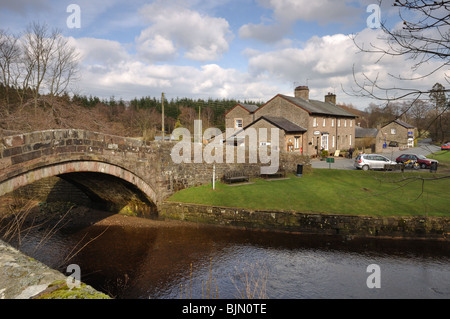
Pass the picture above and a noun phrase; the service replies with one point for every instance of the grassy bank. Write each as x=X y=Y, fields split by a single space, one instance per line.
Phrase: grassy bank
x=443 y=157
x=334 y=192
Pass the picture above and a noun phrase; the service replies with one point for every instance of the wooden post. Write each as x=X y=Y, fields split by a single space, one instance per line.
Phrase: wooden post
x=162 y=129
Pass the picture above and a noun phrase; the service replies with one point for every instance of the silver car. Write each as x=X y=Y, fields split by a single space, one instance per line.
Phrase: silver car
x=372 y=161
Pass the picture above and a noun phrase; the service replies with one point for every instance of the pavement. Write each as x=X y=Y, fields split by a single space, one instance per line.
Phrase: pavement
x=423 y=148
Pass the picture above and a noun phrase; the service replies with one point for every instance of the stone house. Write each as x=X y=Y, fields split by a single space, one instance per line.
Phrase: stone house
x=240 y=116
x=307 y=126
x=397 y=134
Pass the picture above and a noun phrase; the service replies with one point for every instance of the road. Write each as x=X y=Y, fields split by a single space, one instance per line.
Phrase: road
x=424 y=148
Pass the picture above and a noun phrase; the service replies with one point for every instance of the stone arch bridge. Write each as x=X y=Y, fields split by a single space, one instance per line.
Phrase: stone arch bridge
x=122 y=173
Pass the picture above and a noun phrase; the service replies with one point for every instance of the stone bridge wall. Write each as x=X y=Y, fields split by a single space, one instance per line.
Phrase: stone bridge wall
x=25 y=158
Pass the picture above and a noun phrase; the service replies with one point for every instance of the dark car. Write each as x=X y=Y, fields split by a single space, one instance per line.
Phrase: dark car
x=422 y=160
x=445 y=147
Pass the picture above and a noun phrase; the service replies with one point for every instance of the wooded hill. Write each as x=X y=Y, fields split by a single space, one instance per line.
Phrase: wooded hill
x=140 y=117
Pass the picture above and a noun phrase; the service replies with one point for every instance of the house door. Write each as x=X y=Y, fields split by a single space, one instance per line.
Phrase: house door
x=325 y=142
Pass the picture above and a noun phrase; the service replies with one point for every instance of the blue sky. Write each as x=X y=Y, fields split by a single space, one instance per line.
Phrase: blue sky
x=241 y=49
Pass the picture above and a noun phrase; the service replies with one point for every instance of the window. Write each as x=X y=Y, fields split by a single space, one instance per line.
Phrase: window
x=345 y=123
x=334 y=141
x=297 y=142
x=339 y=123
x=238 y=123
x=315 y=122
x=332 y=123
x=324 y=122
x=351 y=123
x=350 y=140
x=393 y=131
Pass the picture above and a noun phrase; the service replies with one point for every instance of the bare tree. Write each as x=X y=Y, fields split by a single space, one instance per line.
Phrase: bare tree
x=418 y=113
x=38 y=46
x=49 y=61
x=63 y=67
x=9 y=56
x=441 y=106
x=423 y=38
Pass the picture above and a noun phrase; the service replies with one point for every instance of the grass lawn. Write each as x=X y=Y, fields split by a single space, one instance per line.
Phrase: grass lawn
x=443 y=157
x=333 y=192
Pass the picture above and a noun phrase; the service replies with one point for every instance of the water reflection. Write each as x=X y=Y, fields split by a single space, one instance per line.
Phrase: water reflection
x=136 y=258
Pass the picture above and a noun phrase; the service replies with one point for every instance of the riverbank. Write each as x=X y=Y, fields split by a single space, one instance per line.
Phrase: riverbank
x=349 y=226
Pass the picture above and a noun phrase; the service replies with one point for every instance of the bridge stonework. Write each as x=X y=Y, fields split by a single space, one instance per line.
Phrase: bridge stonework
x=124 y=173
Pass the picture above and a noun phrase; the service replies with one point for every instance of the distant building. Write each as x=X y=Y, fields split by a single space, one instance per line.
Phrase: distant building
x=397 y=134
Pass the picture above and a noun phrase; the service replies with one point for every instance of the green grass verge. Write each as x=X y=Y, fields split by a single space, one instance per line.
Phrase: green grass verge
x=334 y=192
x=443 y=157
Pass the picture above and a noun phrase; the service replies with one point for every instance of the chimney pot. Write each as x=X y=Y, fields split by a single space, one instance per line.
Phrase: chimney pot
x=302 y=91
x=331 y=98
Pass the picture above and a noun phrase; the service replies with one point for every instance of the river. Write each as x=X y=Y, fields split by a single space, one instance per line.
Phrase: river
x=132 y=258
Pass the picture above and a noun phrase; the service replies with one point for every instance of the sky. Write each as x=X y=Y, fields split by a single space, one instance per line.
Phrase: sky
x=232 y=49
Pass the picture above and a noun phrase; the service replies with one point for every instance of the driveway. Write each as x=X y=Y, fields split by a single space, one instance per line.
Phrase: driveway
x=423 y=148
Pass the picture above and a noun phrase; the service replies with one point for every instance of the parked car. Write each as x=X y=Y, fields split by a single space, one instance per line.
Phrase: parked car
x=420 y=159
x=445 y=147
x=372 y=161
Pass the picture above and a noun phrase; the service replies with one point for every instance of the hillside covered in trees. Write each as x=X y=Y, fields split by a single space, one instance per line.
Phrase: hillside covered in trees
x=140 y=117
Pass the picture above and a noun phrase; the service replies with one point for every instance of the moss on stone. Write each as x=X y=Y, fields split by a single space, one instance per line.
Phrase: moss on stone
x=64 y=292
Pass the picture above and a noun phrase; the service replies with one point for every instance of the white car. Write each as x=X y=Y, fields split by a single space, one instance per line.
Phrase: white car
x=372 y=161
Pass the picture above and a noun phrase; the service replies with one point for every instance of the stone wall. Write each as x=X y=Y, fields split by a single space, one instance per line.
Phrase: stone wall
x=346 y=225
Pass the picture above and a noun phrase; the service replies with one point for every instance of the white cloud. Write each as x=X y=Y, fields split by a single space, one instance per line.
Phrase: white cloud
x=327 y=63
x=99 y=51
x=108 y=69
x=287 y=12
x=174 y=28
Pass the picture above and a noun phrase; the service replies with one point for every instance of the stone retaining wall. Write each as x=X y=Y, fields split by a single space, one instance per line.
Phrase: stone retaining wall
x=347 y=225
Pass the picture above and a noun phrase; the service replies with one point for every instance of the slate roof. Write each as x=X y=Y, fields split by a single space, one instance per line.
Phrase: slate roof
x=282 y=124
x=400 y=122
x=249 y=107
x=365 y=132
x=318 y=107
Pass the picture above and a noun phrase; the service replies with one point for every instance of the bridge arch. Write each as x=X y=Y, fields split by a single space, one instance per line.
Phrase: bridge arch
x=117 y=188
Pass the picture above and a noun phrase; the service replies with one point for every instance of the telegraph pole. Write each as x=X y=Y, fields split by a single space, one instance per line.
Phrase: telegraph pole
x=162 y=129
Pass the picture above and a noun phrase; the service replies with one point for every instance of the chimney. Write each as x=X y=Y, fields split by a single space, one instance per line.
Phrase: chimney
x=331 y=98
x=302 y=91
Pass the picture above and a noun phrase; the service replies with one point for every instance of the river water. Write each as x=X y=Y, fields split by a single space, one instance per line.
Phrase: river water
x=136 y=258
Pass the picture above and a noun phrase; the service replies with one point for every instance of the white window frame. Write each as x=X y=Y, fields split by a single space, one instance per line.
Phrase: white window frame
x=236 y=121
